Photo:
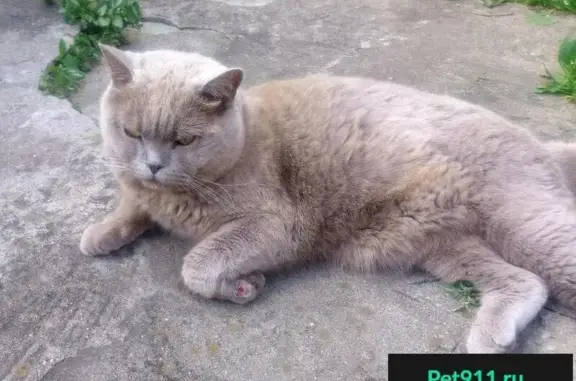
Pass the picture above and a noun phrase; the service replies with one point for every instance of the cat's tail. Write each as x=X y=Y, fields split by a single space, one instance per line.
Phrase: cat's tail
x=565 y=155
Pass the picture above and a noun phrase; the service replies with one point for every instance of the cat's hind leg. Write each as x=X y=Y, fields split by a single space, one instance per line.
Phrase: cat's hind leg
x=533 y=226
x=511 y=296
x=119 y=228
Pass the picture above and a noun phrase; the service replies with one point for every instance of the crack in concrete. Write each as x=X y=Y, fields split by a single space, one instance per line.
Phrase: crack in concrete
x=168 y=22
x=405 y=295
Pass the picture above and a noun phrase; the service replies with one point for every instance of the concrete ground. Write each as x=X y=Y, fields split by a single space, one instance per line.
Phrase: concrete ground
x=66 y=317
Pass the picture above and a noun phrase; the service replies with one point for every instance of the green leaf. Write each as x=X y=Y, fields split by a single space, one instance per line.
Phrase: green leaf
x=104 y=22
x=92 y=4
x=549 y=89
x=118 y=23
x=541 y=19
x=61 y=77
x=99 y=21
x=133 y=14
x=71 y=62
x=76 y=74
x=89 y=19
x=62 y=47
x=69 y=4
x=567 y=53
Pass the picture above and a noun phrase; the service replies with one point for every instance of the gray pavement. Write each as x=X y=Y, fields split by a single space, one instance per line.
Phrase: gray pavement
x=66 y=317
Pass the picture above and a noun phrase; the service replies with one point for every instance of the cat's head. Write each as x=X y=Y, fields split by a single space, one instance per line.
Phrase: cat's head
x=170 y=116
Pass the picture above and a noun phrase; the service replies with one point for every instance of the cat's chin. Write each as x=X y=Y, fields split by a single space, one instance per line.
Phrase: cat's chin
x=152 y=184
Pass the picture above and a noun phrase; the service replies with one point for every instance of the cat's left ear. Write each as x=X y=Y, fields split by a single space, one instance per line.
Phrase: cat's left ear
x=220 y=91
x=118 y=65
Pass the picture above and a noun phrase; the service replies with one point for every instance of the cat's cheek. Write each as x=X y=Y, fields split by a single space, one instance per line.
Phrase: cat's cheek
x=124 y=152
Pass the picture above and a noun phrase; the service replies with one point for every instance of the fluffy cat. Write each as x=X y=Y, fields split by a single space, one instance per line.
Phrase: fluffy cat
x=367 y=174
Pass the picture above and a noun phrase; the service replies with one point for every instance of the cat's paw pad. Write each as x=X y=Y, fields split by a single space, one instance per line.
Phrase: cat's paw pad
x=246 y=288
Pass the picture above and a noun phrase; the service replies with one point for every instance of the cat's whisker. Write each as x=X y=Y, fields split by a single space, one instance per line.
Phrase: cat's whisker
x=113 y=163
x=117 y=166
x=120 y=167
x=211 y=196
x=216 y=184
x=234 y=184
x=187 y=186
x=216 y=197
x=107 y=160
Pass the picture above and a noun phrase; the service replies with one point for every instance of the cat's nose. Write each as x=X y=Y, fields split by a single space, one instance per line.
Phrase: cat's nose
x=154 y=167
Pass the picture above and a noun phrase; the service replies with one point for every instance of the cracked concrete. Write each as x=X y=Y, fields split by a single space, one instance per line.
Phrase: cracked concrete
x=66 y=317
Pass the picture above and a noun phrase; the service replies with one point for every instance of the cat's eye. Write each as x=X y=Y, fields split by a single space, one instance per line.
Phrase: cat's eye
x=132 y=134
x=184 y=141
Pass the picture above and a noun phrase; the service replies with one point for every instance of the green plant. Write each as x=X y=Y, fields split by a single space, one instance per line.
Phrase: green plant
x=466 y=293
x=559 y=5
x=563 y=83
x=99 y=21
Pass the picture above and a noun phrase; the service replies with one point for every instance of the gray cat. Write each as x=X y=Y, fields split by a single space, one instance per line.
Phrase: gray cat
x=367 y=174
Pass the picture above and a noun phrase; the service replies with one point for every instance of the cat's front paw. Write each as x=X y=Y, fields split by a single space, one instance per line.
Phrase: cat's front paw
x=496 y=339
x=241 y=290
x=100 y=239
x=244 y=289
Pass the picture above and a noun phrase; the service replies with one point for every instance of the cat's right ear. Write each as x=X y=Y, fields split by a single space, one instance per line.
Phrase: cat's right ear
x=220 y=91
x=118 y=65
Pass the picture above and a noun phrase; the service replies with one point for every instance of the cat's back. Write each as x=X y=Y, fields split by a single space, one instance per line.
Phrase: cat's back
x=376 y=105
x=347 y=139
x=330 y=110
x=323 y=115
x=349 y=122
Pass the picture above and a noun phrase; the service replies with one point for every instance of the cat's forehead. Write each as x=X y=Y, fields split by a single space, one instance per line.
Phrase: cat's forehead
x=173 y=86
x=161 y=109
x=190 y=68
x=169 y=90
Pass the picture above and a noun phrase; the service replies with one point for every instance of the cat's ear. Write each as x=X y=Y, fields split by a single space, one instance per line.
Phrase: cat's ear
x=221 y=90
x=118 y=65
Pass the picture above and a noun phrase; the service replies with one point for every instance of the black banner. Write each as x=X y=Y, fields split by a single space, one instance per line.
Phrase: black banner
x=469 y=367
